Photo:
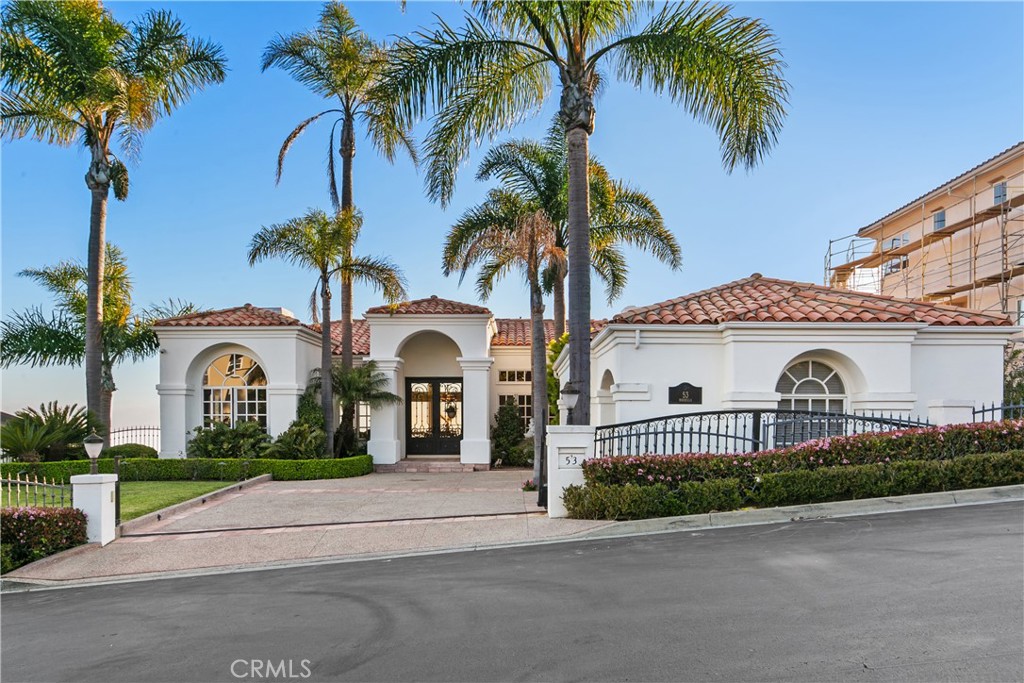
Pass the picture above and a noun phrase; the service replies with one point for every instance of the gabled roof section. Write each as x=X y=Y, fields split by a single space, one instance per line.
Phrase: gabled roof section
x=239 y=316
x=431 y=306
x=1009 y=151
x=519 y=332
x=762 y=299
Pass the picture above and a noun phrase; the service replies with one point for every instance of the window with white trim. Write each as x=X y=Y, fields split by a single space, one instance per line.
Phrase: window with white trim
x=519 y=376
x=363 y=420
x=523 y=402
x=939 y=220
x=234 y=390
x=999 y=193
x=809 y=385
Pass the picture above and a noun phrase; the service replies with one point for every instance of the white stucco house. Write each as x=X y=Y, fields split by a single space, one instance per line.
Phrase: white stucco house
x=756 y=343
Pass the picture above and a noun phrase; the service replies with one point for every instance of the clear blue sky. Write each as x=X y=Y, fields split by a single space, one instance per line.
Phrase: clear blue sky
x=888 y=101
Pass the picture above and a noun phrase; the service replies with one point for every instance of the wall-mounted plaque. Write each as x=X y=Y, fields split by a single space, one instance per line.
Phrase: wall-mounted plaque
x=685 y=394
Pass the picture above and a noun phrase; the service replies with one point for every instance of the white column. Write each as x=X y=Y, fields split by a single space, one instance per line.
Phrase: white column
x=93 y=494
x=282 y=407
x=950 y=411
x=174 y=400
x=385 y=439
x=568 y=447
x=476 y=410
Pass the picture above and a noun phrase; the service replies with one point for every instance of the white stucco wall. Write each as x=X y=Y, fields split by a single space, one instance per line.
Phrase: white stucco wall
x=287 y=355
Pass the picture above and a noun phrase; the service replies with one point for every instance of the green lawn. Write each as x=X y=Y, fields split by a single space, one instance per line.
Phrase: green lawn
x=142 y=497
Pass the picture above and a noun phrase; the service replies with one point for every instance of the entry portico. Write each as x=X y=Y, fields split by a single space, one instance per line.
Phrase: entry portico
x=435 y=354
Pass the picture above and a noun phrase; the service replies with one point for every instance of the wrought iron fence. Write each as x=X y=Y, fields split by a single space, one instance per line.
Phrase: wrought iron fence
x=25 y=491
x=737 y=431
x=1006 y=411
x=147 y=436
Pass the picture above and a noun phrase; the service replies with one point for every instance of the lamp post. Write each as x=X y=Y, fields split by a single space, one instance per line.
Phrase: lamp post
x=570 y=395
x=93 y=445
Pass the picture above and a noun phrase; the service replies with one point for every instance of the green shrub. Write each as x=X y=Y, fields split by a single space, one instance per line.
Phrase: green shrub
x=520 y=456
x=245 y=440
x=30 y=534
x=795 y=487
x=130 y=450
x=507 y=433
x=186 y=469
x=300 y=441
x=929 y=443
x=53 y=432
x=601 y=501
x=309 y=411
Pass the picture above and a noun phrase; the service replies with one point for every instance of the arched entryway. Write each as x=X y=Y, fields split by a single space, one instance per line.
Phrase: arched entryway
x=433 y=392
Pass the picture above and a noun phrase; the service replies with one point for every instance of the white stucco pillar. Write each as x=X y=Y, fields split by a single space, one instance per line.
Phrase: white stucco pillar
x=282 y=407
x=93 y=494
x=385 y=443
x=568 y=447
x=174 y=399
x=950 y=411
x=476 y=410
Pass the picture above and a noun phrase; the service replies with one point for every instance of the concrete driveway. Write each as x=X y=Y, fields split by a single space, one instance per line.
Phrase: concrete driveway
x=284 y=521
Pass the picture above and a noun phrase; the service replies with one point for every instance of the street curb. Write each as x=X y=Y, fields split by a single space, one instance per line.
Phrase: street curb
x=158 y=515
x=798 y=513
x=664 y=525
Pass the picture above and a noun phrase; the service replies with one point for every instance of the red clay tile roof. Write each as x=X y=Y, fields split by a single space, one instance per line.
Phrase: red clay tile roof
x=517 y=332
x=431 y=306
x=239 y=316
x=758 y=298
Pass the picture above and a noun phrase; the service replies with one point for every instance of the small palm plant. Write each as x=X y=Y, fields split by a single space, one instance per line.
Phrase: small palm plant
x=323 y=243
x=352 y=386
x=72 y=74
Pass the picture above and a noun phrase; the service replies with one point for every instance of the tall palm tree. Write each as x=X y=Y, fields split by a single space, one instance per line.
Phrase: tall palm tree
x=340 y=63
x=498 y=69
x=32 y=338
x=509 y=234
x=71 y=74
x=619 y=214
x=323 y=243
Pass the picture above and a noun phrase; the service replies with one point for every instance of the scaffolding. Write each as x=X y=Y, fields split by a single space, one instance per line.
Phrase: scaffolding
x=976 y=260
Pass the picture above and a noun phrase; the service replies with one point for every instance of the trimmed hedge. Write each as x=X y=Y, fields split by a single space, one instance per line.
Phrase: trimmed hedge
x=796 y=487
x=185 y=469
x=29 y=534
x=926 y=443
x=130 y=450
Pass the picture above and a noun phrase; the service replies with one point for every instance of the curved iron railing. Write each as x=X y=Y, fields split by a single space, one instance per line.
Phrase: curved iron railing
x=737 y=431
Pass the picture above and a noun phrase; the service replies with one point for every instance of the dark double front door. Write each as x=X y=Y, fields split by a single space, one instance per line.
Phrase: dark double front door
x=433 y=415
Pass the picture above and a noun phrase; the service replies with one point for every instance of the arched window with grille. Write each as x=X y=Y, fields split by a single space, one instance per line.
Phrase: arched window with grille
x=809 y=385
x=234 y=390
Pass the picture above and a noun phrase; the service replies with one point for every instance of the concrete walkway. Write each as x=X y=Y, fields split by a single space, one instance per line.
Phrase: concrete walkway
x=289 y=521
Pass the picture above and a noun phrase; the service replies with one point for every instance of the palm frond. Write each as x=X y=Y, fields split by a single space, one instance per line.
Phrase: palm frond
x=30 y=338
x=611 y=267
x=380 y=274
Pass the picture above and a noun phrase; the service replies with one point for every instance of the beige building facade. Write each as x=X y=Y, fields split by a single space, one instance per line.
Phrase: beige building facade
x=960 y=244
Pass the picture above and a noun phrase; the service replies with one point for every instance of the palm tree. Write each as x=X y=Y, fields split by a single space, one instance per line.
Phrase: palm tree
x=32 y=338
x=510 y=233
x=73 y=74
x=339 y=62
x=538 y=171
x=352 y=386
x=498 y=69
x=324 y=243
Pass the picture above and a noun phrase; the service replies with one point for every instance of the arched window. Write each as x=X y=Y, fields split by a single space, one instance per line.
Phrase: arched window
x=234 y=390
x=811 y=385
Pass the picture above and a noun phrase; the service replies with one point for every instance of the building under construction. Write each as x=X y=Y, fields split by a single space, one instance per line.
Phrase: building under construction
x=961 y=243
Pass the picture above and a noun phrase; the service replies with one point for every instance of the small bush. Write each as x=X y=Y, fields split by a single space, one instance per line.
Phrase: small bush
x=245 y=440
x=601 y=501
x=521 y=455
x=309 y=411
x=30 y=534
x=195 y=469
x=130 y=450
x=53 y=432
x=300 y=441
x=507 y=433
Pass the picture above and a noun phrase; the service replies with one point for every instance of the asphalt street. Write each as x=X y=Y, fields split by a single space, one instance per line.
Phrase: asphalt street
x=925 y=596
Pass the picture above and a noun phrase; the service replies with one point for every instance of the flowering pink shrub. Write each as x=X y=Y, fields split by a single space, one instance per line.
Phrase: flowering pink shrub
x=921 y=443
x=30 y=534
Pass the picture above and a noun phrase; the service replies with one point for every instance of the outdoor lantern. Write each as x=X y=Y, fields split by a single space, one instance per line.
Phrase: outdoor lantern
x=570 y=395
x=93 y=445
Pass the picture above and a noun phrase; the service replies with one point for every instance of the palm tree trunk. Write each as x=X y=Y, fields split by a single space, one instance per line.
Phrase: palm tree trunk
x=539 y=370
x=326 y=385
x=94 y=295
x=558 y=305
x=106 y=411
x=579 y=272
x=348 y=153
